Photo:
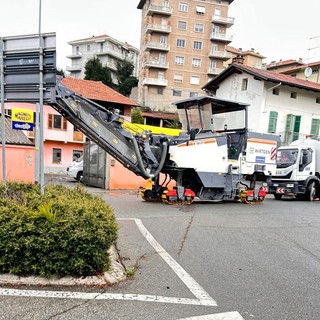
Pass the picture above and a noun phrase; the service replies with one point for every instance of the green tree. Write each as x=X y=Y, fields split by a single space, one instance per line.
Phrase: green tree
x=126 y=81
x=60 y=72
x=94 y=70
x=136 y=115
x=174 y=124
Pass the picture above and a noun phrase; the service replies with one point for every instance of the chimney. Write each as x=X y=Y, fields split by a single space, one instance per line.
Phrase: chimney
x=238 y=59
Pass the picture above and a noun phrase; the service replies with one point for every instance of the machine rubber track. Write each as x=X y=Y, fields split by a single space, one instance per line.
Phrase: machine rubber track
x=171 y=197
x=248 y=197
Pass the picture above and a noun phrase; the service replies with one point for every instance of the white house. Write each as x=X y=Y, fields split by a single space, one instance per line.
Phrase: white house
x=279 y=103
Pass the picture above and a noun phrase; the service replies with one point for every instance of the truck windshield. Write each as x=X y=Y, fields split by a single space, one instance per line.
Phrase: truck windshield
x=286 y=158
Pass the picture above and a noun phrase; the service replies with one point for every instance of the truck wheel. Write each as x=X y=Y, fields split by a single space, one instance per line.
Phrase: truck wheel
x=277 y=196
x=310 y=192
x=79 y=176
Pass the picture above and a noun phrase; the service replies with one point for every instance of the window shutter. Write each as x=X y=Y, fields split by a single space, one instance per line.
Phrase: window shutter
x=65 y=124
x=50 y=121
x=288 y=131
x=315 y=128
x=273 y=117
x=296 y=128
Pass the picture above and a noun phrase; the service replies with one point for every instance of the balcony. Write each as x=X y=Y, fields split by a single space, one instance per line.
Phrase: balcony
x=220 y=55
x=75 y=55
x=111 y=52
x=218 y=36
x=228 y=21
x=157 y=64
x=215 y=71
x=157 y=46
x=153 y=9
x=78 y=136
x=158 y=28
x=74 y=68
x=155 y=82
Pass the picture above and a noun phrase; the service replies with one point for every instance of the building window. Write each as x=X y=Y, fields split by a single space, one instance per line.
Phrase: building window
x=76 y=154
x=183 y=7
x=217 y=12
x=160 y=91
x=197 y=45
x=56 y=121
x=56 y=155
x=176 y=93
x=179 y=60
x=318 y=100
x=193 y=94
x=314 y=132
x=182 y=25
x=198 y=27
x=196 y=63
x=161 y=75
x=213 y=64
x=293 y=95
x=163 y=39
x=292 y=128
x=195 y=80
x=200 y=9
x=244 y=85
x=181 y=43
x=88 y=47
x=276 y=91
x=273 y=117
x=178 y=77
x=77 y=49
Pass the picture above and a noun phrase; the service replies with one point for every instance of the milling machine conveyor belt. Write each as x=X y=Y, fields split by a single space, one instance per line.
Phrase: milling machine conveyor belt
x=94 y=122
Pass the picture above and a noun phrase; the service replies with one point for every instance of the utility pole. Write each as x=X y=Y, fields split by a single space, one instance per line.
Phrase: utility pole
x=3 y=117
x=41 y=137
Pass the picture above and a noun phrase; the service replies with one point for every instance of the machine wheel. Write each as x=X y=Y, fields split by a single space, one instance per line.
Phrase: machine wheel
x=277 y=196
x=310 y=192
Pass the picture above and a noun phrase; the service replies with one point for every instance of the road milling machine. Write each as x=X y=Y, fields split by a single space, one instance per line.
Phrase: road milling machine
x=214 y=158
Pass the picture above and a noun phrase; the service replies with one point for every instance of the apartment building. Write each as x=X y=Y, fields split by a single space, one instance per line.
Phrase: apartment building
x=107 y=49
x=182 y=47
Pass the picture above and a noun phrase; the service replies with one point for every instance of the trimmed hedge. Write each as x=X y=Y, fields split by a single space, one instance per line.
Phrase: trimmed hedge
x=63 y=232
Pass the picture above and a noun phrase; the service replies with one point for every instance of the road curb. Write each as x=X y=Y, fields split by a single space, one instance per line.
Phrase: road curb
x=116 y=274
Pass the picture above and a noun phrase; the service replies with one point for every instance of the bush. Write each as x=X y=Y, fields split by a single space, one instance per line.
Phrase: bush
x=63 y=232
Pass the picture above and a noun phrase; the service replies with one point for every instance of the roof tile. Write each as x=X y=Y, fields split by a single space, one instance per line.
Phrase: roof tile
x=96 y=90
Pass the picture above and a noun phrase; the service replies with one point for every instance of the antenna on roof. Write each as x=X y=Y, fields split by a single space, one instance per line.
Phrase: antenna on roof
x=307 y=72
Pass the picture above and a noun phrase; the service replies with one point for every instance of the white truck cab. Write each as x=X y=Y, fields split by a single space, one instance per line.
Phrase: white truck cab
x=297 y=172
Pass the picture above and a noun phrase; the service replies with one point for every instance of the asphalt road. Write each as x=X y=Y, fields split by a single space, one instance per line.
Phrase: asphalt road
x=205 y=261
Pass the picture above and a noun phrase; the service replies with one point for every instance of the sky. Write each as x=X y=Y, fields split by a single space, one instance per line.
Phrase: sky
x=277 y=29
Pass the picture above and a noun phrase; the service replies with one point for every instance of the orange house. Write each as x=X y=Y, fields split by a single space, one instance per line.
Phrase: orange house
x=19 y=156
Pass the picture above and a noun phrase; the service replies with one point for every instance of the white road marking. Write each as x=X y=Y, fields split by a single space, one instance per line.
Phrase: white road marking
x=97 y=296
x=202 y=297
x=191 y=284
x=218 y=316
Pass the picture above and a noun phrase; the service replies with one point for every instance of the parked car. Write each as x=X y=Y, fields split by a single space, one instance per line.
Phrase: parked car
x=75 y=169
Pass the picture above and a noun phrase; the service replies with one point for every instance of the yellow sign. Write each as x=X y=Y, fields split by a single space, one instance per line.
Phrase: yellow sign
x=22 y=115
